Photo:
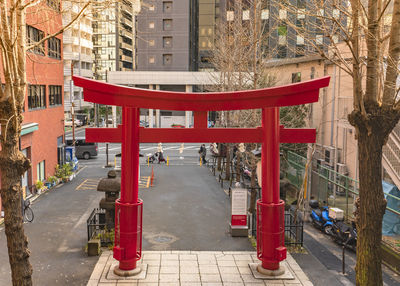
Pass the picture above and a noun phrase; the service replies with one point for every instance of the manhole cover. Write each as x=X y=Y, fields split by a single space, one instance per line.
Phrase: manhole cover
x=162 y=239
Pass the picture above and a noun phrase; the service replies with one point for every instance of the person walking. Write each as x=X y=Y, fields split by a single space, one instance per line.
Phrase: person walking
x=203 y=153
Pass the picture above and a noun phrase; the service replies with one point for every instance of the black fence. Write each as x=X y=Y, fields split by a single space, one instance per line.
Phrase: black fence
x=293 y=228
x=96 y=223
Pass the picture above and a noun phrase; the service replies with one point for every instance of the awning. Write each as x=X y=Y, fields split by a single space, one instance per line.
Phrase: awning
x=29 y=128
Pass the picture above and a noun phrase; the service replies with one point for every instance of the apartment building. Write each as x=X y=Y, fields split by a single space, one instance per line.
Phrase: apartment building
x=114 y=37
x=77 y=51
x=43 y=126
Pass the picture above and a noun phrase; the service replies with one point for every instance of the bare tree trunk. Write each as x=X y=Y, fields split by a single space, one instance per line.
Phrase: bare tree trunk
x=219 y=162
x=238 y=160
x=253 y=196
x=13 y=164
x=372 y=135
x=228 y=162
x=369 y=224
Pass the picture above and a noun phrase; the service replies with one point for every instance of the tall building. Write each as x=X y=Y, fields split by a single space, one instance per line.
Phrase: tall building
x=114 y=37
x=77 y=51
x=289 y=30
x=165 y=39
x=43 y=126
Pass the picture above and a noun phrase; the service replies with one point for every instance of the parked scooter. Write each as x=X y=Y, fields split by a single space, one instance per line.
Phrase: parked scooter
x=344 y=234
x=320 y=218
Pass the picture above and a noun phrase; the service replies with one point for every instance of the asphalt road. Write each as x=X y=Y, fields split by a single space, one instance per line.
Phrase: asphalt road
x=57 y=236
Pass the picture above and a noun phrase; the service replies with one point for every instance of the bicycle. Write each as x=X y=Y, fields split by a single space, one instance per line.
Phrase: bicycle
x=28 y=213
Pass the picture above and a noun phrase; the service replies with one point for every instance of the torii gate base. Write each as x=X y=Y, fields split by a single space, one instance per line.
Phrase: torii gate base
x=270 y=209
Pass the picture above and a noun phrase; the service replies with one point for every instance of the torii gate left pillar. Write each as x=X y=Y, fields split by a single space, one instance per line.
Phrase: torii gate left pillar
x=129 y=208
x=270 y=209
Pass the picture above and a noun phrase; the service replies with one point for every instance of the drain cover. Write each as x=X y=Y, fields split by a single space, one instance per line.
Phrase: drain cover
x=163 y=239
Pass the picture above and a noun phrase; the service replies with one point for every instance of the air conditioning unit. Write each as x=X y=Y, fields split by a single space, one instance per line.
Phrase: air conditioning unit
x=342 y=169
x=329 y=153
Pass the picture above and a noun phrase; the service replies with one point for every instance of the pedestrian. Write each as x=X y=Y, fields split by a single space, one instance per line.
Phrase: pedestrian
x=203 y=153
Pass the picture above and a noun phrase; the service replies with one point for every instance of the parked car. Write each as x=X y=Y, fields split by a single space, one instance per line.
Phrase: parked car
x=68 y=122
x=83 y=149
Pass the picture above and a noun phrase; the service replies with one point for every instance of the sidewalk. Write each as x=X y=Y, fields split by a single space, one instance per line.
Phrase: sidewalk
x=196 y=268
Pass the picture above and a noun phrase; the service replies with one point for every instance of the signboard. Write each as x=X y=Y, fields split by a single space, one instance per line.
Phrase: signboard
x=239 y=207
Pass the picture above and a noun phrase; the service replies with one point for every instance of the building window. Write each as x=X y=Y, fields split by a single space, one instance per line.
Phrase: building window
x=36 y=96
x=282 y=35
x=167 y=6
x=151 y=25
x=282 y=14
x=152 y=60
x=246 y=15
x=55 y=97
x=167 y=24
x=282 y=52
x=300 y=50
x=167 y=42
x=265 y=14
x=319 y=39
x=230 y=15
x=152 y=43
x=40 y=168
x=167 y=59
x=54 y=48
x=299 y=40
x=33 y=36
x=296 y=77
x=55 y=4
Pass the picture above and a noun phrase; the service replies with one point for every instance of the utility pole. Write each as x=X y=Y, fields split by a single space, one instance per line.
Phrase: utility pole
x=71 y=96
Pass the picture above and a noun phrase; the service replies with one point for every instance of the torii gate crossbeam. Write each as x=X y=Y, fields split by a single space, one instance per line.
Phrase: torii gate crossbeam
x=270 y=209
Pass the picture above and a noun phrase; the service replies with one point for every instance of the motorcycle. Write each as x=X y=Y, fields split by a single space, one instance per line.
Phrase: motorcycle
x=345 y=235
x=320 y=218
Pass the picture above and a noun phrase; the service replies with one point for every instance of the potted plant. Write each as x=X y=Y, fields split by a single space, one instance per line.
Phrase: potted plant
x=52 y=180
x=40 y=187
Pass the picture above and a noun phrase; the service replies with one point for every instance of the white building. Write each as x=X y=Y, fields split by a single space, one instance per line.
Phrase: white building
x=77 y=49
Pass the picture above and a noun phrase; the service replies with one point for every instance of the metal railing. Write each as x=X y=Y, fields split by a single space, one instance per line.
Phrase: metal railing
x=96 y=223
x=293 y=228
x=327 y=185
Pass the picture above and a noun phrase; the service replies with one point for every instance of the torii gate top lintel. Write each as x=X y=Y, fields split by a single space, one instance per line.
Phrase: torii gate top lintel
x=110 y=94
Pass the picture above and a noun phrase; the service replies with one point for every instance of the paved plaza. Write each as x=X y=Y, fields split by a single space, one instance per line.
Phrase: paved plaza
x=196 y=268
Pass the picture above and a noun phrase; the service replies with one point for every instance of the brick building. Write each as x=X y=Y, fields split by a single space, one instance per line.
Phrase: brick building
x=43 y=126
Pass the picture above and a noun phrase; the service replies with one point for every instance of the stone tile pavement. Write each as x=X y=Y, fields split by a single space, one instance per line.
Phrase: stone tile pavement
x=219 y=268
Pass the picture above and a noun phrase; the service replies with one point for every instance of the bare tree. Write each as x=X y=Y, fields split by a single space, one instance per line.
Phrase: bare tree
x=362 y=38
x=13 y=164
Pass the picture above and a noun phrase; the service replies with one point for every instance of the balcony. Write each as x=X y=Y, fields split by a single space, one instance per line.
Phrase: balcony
x=126 y=46
x=126 y=22
x=126 y=33
x=85 y=28
x=71 y=56
x=126 y=58
x=87 y=44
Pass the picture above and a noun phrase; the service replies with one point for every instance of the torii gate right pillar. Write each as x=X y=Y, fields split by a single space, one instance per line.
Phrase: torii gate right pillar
x=270 y=209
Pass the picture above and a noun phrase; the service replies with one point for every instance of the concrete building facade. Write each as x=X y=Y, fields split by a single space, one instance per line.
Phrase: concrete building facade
x=77 y=51
x=163 y=40
x=114 y=37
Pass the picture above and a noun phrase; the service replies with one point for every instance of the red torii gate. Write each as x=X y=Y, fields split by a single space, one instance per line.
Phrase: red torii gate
x=270 y=209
